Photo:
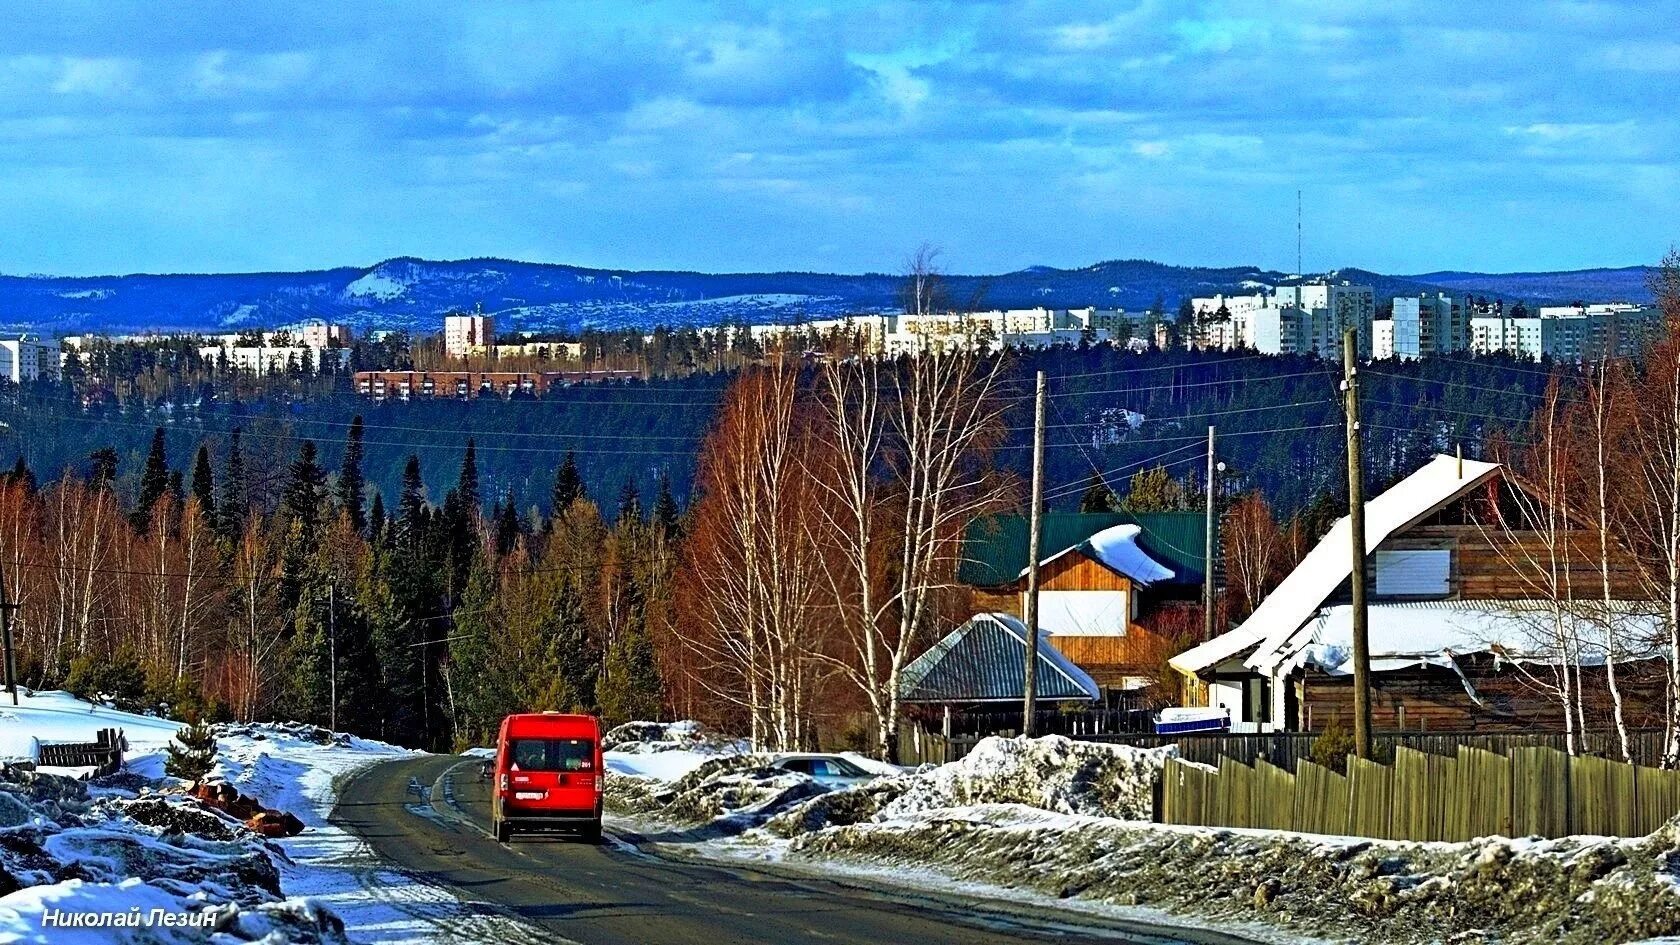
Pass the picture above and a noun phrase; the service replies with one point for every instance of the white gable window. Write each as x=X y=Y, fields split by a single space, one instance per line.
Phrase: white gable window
x=1414 y=573
x=1083 y=613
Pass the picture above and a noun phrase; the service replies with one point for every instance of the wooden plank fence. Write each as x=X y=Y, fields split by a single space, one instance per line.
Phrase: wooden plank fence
x=1426 y=796
x=104 y=753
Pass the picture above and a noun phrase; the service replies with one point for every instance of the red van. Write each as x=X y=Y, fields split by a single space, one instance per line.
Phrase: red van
x=548 y=775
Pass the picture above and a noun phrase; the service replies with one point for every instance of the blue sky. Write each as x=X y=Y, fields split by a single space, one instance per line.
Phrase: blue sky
x=734 y=136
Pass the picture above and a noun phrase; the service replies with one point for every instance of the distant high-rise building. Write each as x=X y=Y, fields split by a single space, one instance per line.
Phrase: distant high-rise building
x=1426 y=325
x=1327 y=309
x=468 y=334
x=25 y=358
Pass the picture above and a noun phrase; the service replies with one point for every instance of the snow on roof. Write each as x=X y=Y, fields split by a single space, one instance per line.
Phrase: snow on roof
x=1117 y=548
x=1330 y=562
x=1404 y=635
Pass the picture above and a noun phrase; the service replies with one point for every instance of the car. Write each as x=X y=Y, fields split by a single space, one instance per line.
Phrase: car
x=549 y=775
x=835 y=771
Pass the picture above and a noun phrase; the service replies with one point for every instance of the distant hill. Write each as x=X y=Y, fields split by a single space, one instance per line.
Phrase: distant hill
x=1629 y=284
x=413 y=293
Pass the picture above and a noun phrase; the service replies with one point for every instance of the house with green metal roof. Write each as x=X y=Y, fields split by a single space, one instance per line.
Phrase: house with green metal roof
x=1117 y=591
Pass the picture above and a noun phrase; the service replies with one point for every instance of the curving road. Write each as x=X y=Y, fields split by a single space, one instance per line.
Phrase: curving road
x=619 y=893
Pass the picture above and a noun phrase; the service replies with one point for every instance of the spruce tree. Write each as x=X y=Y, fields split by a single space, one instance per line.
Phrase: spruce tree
x=22 y=475
x=376 y=519
x=350 y=481
x=412 y=513
x=235 y=503
x=191 y=754
x=154 y=482
x=508 y=527
x=629 y=503
x=568 y=486
x=305 y=489
x=1098 y=497
x=667 y=517
x=204 y=483
x=466 y=487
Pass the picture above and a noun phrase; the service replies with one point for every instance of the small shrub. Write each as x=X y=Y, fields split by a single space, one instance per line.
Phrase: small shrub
x=1332 y=747
x=117 y=679
x=192 y=753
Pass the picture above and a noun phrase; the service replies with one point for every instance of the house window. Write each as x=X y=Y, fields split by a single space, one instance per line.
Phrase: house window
x=1257 y=699
x=1414 y=573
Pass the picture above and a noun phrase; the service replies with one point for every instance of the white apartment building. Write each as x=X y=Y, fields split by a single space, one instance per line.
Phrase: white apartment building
x=1567 y=333
x=468 y=334
x=1426 y=325
x=26 y=358
x=1382 y=339
x=1327 y=310
x=250 y=359
x=319 y=334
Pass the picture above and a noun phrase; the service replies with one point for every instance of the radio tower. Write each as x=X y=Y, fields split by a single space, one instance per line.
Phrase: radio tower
x=1298 y=272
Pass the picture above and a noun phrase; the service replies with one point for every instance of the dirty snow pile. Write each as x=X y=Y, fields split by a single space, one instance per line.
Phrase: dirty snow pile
x=66 y=847
x=663 y=751
x=1581 y=890
x=726 y=794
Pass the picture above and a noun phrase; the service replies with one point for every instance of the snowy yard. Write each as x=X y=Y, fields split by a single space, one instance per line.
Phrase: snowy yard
x=126 y=847
x=1068 y=822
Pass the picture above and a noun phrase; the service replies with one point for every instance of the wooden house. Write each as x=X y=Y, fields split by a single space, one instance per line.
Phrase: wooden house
x=1115 y=589
x=1472 y=615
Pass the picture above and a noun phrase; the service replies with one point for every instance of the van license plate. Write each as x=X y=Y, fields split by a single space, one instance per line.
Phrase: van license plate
x=530 y=795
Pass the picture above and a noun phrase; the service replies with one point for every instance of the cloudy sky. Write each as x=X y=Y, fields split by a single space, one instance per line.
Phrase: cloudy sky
x=731 y=136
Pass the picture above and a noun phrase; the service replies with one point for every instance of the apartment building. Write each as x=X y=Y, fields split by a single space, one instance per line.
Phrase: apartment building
x=27 y=358
x=468 y=334
x=1425 y=326
x=250 y=359
x=409 y=385
x=1325 y=311
x=1567 y=333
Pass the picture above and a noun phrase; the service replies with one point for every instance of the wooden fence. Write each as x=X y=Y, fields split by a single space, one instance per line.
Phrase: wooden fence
x=1286 y=749
x=1529 y=790
x=104 y=753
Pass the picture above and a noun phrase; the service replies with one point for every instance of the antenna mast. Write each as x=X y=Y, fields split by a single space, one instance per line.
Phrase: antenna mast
x=1298 y=271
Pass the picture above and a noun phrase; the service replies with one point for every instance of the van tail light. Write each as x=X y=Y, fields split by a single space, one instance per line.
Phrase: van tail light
x=504 y=784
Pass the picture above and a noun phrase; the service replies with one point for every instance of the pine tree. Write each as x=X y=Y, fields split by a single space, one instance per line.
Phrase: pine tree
x=568 y=486
x=104 y=468
x=154 y=482
x=235 y=503
x=177 y=490
x=667 y=517
x=350 y=481
x=204 y=484
x=192 y=753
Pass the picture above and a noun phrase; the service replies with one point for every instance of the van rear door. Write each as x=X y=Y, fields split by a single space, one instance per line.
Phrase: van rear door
x=552 y=773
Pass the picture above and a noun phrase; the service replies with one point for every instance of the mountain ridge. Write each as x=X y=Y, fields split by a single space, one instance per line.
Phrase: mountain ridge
x=412 y=292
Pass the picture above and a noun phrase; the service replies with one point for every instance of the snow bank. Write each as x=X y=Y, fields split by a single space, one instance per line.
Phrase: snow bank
x=63 y=848
x=61 y=717
x=664 y=751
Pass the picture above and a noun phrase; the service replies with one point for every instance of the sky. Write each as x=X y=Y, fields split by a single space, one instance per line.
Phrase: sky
x=199 y=137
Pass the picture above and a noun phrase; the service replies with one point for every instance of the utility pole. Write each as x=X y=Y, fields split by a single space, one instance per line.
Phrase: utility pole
x=332 y=654
x=1356 y=521
x=1029 y=705
x=1207 y=548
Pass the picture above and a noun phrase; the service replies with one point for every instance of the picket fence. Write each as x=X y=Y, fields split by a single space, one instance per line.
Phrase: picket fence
x=1424 y=796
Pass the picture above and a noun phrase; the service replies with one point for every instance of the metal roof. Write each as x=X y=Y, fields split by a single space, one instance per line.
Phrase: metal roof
x=995 y=548
x=984 y=661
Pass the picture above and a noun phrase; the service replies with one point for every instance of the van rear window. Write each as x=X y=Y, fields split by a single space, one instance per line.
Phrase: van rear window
x=552 y=754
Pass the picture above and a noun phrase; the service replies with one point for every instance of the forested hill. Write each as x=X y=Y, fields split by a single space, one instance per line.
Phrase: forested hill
x=414 y=293
x=1113 y=412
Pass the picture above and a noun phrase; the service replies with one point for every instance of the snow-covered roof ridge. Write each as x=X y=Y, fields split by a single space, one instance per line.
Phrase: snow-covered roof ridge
x=1117 y=548
x=1441 y=480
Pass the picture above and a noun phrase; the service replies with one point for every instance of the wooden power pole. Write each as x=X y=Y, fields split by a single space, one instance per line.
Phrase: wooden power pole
x=1356 y=522
x=1029 y=702
x=332 y=654
x=1207 y=548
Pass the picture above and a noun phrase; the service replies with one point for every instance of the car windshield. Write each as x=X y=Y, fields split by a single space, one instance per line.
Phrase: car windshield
x=836 y=768
x=552 y=754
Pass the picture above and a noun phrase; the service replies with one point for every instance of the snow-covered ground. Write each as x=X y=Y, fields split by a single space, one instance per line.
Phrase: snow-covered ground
x=1068 y=822
x=292 y=768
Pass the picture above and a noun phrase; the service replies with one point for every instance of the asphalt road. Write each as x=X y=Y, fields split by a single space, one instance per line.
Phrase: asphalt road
x=622 y=893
